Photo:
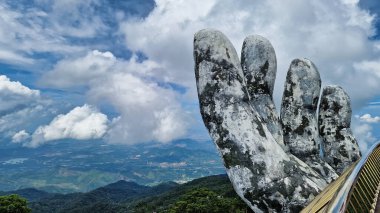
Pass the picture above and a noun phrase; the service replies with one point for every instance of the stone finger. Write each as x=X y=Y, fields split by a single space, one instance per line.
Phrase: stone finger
x=298 y=116
x=258 y=60
x=340 y=147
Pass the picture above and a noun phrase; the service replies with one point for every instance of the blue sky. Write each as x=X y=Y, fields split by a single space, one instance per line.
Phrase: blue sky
x=122 y=71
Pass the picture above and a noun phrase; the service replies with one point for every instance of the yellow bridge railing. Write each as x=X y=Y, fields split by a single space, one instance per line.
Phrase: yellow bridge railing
x=355 y=191
x=365 y=190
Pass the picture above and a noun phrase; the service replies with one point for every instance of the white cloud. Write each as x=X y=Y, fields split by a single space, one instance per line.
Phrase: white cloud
x=16 y=88
x=67 y=17
x=333 y=35
x=369 y=67
x=20 y=136
x=94 y=67
x=25 y=118
x=369 y=119
x=374 y=103
x=364 y=136
x=79 y=71
x=81 y=123
x=20 y=107
x=148 y=111
x=14 y=95
x=14 y=58
x=26 y=30
x=169 y=126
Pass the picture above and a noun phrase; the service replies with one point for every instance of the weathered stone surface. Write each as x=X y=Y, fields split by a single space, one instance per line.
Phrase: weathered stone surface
x=298 y=116
x=340 y=147
x=298 y=109
x=262 y=173
x=258 y=60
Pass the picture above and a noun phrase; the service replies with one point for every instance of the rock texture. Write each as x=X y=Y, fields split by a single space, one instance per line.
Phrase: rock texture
x=340 y=146
x=298 y=116
x=298 y=109
x=259 y=64
x=263 y=175
x=237 y=108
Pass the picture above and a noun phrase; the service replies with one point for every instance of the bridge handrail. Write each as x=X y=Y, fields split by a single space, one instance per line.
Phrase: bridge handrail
x=340 y=200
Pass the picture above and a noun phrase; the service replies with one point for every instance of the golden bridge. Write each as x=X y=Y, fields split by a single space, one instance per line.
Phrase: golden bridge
x=355 y=191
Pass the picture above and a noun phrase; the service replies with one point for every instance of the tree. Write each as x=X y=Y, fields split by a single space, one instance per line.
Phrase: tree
x=203 y=200
x=13 y=204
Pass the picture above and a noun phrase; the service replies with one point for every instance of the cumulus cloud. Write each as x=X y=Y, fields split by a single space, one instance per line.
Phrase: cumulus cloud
x=81 y=123
x=333 y=35
x=149 y=110
x=79 y=71
x=20 y=108
x=14 y=95
x=16 y=88
x=94 y=67
x=142 y=92
x=20 y=136
x=369 y=119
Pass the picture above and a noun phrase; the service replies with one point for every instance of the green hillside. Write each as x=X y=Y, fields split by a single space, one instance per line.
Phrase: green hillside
x=208 y=194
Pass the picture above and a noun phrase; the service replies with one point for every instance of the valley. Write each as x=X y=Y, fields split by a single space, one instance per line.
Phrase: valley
x=72 y=166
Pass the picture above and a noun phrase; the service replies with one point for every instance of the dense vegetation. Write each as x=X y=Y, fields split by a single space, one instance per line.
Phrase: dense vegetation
x=13 y=204
x=205 y=200
x=209 y=194
x=218 y=186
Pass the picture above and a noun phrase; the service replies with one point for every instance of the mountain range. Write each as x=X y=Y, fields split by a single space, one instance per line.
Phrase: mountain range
x=125 y=196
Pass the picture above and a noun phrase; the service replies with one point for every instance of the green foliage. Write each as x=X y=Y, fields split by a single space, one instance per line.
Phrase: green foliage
x=203 y=200
x=13 y=204
x=218 y=184
x=208 y=194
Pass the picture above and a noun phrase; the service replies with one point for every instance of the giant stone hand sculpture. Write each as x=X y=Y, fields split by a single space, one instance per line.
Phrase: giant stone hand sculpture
x=273 y=162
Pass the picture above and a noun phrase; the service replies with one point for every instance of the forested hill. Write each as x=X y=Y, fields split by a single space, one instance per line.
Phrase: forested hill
x=208 y=194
